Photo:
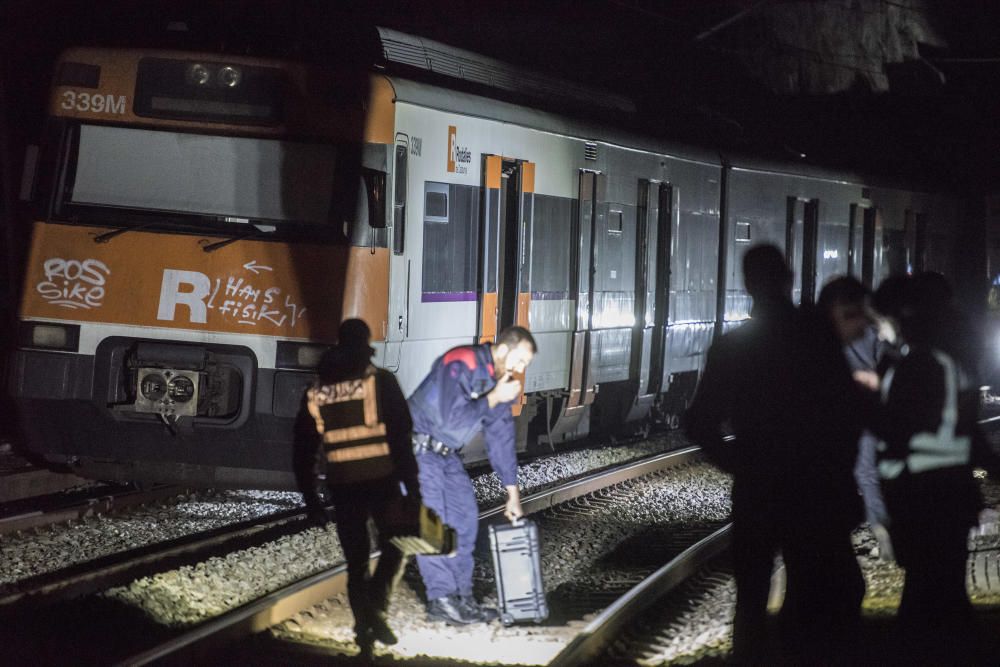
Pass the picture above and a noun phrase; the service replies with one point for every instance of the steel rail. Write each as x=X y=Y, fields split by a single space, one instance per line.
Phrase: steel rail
x=285 y=602
x=117 y=568
x=600 y=632
x=104 y=503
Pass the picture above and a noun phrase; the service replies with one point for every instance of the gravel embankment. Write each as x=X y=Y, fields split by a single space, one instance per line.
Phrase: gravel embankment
x=697 y=633
x=192 y=594
x=53 y=547
x=581 y=546
x=557 y=468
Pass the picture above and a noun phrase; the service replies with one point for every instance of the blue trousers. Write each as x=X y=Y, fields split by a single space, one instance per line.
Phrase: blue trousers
x=446 y=488
x=866 y=475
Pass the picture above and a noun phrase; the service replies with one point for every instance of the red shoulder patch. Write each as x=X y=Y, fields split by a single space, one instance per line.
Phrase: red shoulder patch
x=464 y=354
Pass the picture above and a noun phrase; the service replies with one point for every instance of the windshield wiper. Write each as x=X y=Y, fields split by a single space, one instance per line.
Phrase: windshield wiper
x=254 y=233
x=104 y=237
x=212 y=247
x=179 y=224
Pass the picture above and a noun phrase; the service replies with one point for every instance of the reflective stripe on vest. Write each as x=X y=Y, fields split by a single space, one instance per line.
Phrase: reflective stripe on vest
x=932 y=451
x=356 y=451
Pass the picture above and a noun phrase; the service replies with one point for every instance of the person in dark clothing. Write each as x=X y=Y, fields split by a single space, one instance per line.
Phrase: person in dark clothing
x=469 y=390
x=781 y=383
x=844 y=301
x=929 y=443
x=356 y=419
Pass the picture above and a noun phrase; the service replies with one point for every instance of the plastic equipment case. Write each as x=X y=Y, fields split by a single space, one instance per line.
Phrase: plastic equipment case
x=516 y=562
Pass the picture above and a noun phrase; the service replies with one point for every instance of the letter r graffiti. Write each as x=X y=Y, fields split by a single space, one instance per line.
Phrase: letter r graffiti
x=194 y=299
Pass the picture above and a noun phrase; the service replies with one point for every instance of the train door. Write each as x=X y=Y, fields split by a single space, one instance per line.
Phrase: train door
x=508 y=208
x=915 y=231
x=801 y=233
x=399 y=267
x=861 y=249
x=582 y=263
x=901 y=253
x=652 y=285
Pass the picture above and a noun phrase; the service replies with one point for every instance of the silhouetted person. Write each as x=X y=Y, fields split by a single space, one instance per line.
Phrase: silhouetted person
x=781 y=383
x=356 y=417
x=930 y=441
x=844 y=301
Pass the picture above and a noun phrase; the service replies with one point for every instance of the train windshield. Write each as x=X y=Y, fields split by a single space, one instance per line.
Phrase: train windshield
x=202 y=175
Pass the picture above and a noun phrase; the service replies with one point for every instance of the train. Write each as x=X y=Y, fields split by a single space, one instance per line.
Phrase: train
x=203 y=222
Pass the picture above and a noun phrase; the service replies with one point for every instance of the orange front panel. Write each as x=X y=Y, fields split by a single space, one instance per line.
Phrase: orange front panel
x=168 y=280
x=316 y=102
x=380 y=120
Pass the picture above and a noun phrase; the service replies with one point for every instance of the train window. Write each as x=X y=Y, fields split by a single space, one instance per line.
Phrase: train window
x=550 y=236
x=436 y=207
x=192 y=174
x=451 y=241
x=399 y=199
x=615 y=221
x=366 y=228
x=742 y=232
x=894 y=243
x=375 y=196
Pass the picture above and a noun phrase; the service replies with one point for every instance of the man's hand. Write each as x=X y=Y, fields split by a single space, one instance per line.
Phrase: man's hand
x=867 y=379
x=513 y=509
x=506 y=390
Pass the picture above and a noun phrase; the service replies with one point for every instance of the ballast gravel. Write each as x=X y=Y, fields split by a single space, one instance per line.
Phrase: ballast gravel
x=193 y=594
x=50 y=548
x=551 y=470
x=576 y=540
x=698 y=634
x=38 y=551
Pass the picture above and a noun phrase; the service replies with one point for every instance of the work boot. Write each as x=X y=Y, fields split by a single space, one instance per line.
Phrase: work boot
x=363 y=638
x=451 y=610
x=484 y=614
x=380 y=630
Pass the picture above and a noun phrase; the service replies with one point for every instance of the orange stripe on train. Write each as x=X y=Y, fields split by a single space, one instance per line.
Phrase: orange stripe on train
x=168 y=280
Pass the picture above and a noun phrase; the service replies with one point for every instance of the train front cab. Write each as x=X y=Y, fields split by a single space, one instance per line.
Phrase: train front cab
x=185 y=272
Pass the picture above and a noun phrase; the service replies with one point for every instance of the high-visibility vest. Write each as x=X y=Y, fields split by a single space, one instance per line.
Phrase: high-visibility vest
x=354 y=438
x=932 y=451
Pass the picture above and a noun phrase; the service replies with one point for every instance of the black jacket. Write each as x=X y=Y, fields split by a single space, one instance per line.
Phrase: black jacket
x=781 y=386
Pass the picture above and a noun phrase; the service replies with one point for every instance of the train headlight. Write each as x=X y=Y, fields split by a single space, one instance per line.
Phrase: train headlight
x=301 y=356
x=230 y=76
x=198 y=74
x=153 y=387
x=44 y=335
x=49 y=336
x=181 y=389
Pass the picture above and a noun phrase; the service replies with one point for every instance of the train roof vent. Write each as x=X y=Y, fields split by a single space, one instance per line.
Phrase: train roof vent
x=444 y=60
x=590 y=151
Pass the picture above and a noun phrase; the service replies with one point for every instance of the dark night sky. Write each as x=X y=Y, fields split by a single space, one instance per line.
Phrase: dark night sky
x=699 y=90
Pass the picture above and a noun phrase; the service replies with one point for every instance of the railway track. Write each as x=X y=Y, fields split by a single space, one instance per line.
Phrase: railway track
x=201 y=641
x=37 y=512
x=115 y=569
x=609 y=534
x=601 y=641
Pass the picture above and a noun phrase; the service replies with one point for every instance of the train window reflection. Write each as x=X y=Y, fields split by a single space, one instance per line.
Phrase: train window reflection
x=615 y=221
x=257 y=179
x=436 y=205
